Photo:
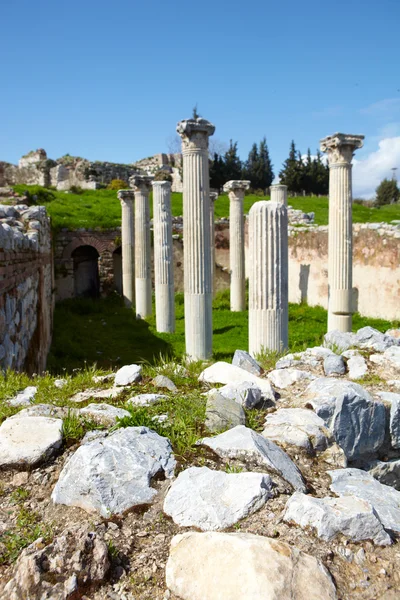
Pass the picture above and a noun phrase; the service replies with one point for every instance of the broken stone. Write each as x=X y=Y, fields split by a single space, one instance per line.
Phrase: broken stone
x=339 y=340
x=60 y=383
x=357 y=367
x=351 y=516
x=324 y=391
x=283 y=378
x=245 y=361
x=112 y=474
x=43 y=410
x=387 y=473
x=212 y=500
x=230 y=566
x=163 y=382
x=297 y=427
x=334 y=365
x=223 y=413
x=222 y=372
x=24 y=398
x=27 y=441
x=128 y=374
x=146 y=399
x=394 y=421
x=244 y=444
x=247 y=394
x=104 y=414
x=112 y=392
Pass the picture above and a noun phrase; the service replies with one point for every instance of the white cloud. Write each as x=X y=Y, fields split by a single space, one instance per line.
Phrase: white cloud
x=369 y=172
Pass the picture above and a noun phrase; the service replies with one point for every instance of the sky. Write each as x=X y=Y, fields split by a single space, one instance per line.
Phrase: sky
x=109 y=81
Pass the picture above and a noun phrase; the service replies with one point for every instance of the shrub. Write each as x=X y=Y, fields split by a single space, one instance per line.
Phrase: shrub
x=163 y=175
x=75 y=189
x=35 y=194
x=387 y=192
x=117 y=184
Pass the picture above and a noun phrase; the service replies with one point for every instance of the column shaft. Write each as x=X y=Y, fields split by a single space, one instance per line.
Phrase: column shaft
x=127 y=247
x=279 y=193
x=142 y=255
x=268 y=277
x=236 y=253
x=163 y=257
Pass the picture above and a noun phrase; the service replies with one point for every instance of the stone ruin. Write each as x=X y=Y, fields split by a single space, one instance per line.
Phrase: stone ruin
x=35 y=168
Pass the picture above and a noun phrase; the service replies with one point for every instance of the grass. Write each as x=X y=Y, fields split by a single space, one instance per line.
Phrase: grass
x=101 y=208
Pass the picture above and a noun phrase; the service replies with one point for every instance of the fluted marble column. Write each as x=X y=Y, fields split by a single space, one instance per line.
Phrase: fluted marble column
x=127 y=198
x=163 y=257
x=141 y=185
x=268 y=277
x=213 y=197
x=340 y=149
x=279 y=193
x=196 y=237
x=236 y=190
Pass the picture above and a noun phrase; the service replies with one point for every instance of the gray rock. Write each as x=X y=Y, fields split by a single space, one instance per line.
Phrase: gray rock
x=145 y=399
x=112 y=392
x=334 y=365
x=351 y=516
x=357 y=367
x=128 y=374
x=394 y=422
x=113 y=474
x=75 y=561
x=384 y=499
x=24 y=398
x=392 y=355
x=371 y=338
x=283 y=378
x=104 y=378
x=27 y=441
x=243 y=566
x=339 y=341
x=223 y=372
x=358 y=425
x=43 y=410
x=322 y=393
x=95 y=434
x=297 y=427
x=163 y=382
x=387 y=473
x=243 y=360
x=223 y=413
x=213 y=500
x=246 y=394
x=104 y=414
x=244 y=444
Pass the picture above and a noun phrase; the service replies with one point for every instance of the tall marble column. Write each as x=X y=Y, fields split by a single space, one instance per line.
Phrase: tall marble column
x=141 y=185
x=163 y=257
x=127 y=198
x=279 y=193
x=268 y=277
x=340 y=149
x=213 y=197
x=236 y=190
x=196 y=237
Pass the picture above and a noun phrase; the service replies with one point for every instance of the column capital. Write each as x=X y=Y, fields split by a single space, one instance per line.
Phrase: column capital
x=141 y=183
x=126 y=195
x=279 y=186
x=340 y=147
x=195 y=133
x=236 y=186
x=163 y=184
x=213 y=196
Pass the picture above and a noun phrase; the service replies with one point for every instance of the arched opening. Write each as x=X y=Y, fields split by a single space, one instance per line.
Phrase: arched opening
x=86 y=271
x=117 y=269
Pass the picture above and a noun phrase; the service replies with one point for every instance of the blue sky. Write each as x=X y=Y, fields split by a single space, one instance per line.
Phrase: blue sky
x=109 y=81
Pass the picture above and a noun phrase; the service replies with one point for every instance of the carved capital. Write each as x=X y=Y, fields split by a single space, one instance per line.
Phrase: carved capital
x=126 y=195
x=141 y=183
x=340 y=147
x=195 y=133
x=163 y=184
x=236 y=187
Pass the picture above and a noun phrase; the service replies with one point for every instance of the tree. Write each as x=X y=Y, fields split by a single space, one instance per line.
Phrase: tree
x=387 y=192
x=251 y=166
x=195 y=114
x=264 y=172
x=292 y=170
x=217 y=172
x=233 y=164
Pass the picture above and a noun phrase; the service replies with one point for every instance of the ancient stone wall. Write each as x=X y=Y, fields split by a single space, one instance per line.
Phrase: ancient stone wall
x=26 y=282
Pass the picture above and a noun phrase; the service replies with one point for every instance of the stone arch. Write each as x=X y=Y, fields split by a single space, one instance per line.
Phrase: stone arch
x=86 y=271
x=90 y=240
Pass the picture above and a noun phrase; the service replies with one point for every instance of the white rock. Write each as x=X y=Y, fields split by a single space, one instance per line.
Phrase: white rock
x=104 y=378
x=394 y=421
x=323 y=392
x=112 y=474
x=212 y=500
x=384 y=499
x=112 y=392
x=29 y=440
x=283 y=378
x=244 y=444
x=145 y=399
x=392 y=355
x=44 y=410
x=357 y=367
x=222 y=372
x=247 y=393
x=128 y=374
x=60 y=383
x=243 y=566
x=351 y=516
x=105 y=414
x=298 y=427
x=25 y=397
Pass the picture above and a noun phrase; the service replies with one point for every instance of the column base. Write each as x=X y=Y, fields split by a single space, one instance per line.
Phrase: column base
x=340 y=322
x=198 y=326
x=143 y=298
x=268 y=330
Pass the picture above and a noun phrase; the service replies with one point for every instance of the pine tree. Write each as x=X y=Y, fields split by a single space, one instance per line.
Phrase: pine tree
x=264 y=172
x=233 y=164
x=251 y=167
x=387 y=192
x=217 y=172
x=292 y=170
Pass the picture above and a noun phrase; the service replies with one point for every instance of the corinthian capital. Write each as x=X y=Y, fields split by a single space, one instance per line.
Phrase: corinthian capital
x=236 y=187
x=340 y=147
x=141 y=183
x=195 y=133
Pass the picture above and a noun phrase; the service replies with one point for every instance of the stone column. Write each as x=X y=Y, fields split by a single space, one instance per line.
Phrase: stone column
x=127 y=198
x=340 y=149
x=236 y=190
x=268 y=277
x=196 y=237
x=163 y=257
x=279 y=193
x=141 y=185
x=213 y=197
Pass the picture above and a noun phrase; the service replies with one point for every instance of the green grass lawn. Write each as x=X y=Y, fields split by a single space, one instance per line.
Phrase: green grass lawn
x=101 y=208
x=104 y=333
